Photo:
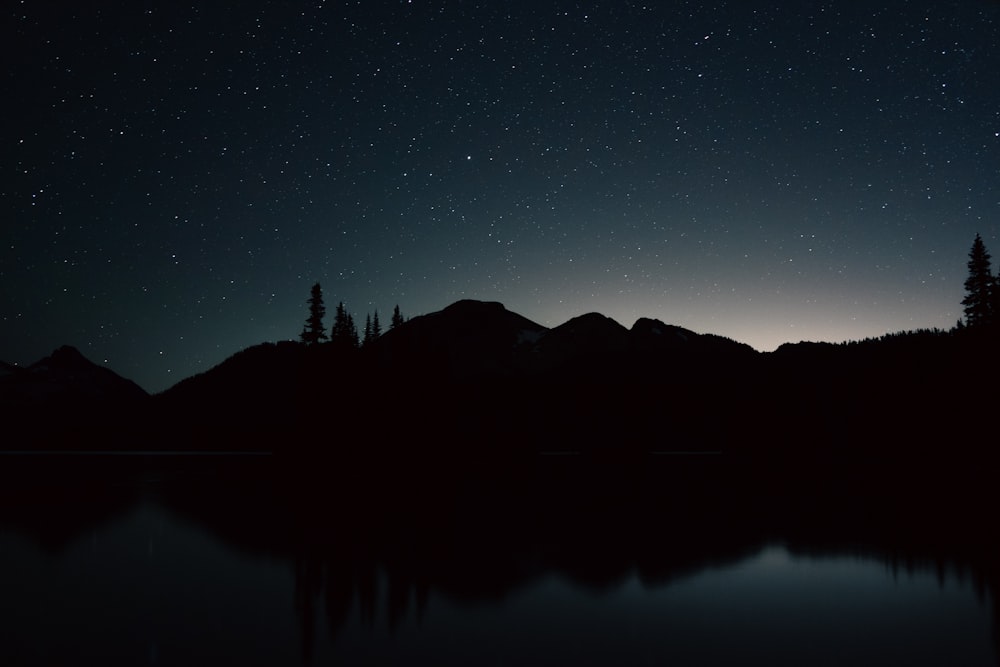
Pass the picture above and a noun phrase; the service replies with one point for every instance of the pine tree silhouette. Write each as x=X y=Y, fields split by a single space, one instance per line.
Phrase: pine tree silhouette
x=366 y=337
x=372 y=330
x=397 y=318
x=313 y=331
x=343 y=330
x=980 y=287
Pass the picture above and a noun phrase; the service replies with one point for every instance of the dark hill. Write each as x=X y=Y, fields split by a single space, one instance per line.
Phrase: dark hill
x=68 y=375
x=586 y=345
x=899 y=396
x=255 y=398
x=65 y=401
x=653 y=336
x=468 y=339
x=259 y=373
x=655 y=347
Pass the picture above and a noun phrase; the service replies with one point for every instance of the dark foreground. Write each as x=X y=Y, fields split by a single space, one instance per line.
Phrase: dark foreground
x=541 y=560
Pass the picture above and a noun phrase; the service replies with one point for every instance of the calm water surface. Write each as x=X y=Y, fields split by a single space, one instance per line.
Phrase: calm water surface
x=152 y=571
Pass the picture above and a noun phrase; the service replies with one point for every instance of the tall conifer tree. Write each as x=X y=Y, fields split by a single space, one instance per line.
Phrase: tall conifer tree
x=980 y=287
x=367 y=339
x=372 y=330
x=313 y=331
x=344 y=331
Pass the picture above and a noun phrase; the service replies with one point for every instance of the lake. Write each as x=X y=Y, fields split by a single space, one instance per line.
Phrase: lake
x=167 y=564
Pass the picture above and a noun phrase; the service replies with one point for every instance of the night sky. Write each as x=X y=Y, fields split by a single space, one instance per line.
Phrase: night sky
x=178 y=175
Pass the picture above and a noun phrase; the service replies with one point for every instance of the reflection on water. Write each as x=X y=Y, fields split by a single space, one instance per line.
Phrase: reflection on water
x=769 y=609
x=143 y=588
x=160 y=571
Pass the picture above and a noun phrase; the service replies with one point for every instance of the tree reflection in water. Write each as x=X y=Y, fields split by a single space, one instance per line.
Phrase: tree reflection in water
x=384 y=545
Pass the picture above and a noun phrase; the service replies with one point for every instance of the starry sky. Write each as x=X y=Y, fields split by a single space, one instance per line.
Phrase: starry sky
x=177 y=175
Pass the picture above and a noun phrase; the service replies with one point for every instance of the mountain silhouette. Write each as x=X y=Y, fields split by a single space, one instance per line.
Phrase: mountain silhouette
x=251 y=390
x=57 y=400
x=467 y=339
x=475 y=377
x=583 y=345
x=65 y=375
x=471 y=376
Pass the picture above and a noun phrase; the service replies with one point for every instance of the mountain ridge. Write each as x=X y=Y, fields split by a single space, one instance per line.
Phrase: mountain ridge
x=476 y=372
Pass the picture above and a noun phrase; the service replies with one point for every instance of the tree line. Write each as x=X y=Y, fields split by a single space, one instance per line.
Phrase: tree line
x=981 y=307
x=343 y=331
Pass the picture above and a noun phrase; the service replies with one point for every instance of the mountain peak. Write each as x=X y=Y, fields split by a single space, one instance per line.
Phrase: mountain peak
x=64 y=359
x=69 y=356
x=645 y=326
x=587 y=336
x=468 y=338
x=68 y=372
x=591 y=322
x=474 y=307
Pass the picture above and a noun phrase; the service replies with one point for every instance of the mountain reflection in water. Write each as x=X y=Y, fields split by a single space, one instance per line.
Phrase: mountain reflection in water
x=559 y=563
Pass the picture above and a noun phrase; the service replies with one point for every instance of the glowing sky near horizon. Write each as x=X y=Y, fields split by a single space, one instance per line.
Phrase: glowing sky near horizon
x=179 y=174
